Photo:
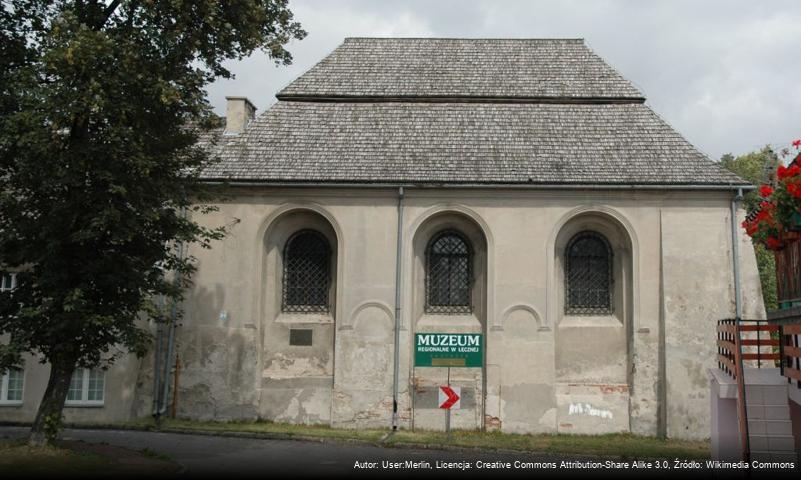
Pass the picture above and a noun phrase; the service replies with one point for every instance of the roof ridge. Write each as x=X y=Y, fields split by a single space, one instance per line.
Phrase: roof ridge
x=572 y=39
x=556 y=100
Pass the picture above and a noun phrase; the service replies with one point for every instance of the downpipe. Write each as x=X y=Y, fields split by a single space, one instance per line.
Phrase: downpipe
x=738 y=316
x=162 y=372
x=398 y=271
x=738 y=302
x=157 y=365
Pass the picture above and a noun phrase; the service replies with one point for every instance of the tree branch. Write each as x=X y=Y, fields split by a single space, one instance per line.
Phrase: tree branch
x=110 y=10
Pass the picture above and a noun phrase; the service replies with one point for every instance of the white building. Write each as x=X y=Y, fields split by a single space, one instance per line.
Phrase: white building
x=530 y=195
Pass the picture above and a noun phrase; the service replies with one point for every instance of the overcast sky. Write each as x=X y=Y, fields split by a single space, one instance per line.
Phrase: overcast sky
x=725 y=73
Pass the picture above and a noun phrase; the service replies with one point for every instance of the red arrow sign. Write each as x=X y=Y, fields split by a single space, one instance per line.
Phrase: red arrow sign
x=449 y=397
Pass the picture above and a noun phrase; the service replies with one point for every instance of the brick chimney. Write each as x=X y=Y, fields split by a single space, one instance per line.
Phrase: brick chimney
x=238 y=114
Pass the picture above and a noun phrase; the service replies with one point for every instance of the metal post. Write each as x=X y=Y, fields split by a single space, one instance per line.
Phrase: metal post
x=157 y=370
x=398 y=265
x=448 y=411
x=175 y=387
x=781 y=352
x=759 y=347
x=797 y=359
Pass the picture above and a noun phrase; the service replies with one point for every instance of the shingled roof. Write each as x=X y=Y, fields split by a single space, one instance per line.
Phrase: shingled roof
x=447 y=68
x=459 y=111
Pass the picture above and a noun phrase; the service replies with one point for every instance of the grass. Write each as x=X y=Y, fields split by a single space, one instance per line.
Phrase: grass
x=262 y=427
x=74 y=458
x=621 y=445
x=624 y=446
x=16 y=457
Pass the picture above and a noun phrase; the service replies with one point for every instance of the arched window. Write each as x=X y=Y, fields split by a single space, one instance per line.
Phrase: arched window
x=448 y=274
x=588 y=275
x=307 y=273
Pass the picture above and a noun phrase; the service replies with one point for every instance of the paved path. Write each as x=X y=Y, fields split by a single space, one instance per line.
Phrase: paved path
x=207 y=455
x=221 y=457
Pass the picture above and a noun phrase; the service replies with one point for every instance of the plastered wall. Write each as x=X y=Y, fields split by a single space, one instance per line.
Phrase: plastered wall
x=639 y=370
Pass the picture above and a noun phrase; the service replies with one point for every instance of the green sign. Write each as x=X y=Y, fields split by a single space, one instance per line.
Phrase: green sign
x=448 y=349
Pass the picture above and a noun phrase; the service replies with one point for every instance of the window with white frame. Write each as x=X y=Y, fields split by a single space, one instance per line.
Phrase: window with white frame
x=11 y=387
x=86 y=387
x=7 y=281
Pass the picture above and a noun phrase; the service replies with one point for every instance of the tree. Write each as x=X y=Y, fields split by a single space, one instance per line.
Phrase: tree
x=97 y=162
x=756 y=167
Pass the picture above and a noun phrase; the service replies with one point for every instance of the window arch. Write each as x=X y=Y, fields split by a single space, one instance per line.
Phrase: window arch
x=307 y=273
x=588 y=274
x=448 y=274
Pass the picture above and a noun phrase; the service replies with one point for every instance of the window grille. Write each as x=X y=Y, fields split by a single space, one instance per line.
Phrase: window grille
x=588 y=275
x=307 y=276
x=448 y=274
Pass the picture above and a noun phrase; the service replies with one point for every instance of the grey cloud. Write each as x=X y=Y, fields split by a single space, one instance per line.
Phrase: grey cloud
x=724 y=73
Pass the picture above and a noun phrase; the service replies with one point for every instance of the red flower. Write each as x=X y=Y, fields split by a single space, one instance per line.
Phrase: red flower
x=765 y=191
x=786 y=172
x=750 y=227
x=797 y=143
x=773 y=243
x=793 y=187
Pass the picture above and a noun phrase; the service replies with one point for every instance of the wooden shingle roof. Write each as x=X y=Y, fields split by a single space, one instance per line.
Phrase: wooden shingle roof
x=458 y=111
x=448 y=68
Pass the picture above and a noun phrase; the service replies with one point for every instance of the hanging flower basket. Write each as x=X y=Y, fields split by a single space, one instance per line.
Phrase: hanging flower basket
x=790 y=236
x=778 y=220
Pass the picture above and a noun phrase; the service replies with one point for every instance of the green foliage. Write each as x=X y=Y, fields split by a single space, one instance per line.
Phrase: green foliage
x=52 y=425
x=766 y=264
x=757 y=168
x=97 y=163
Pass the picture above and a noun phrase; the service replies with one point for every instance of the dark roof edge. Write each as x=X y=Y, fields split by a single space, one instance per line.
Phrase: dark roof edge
x=456 y=185
x=573 y=39
x=454 y=99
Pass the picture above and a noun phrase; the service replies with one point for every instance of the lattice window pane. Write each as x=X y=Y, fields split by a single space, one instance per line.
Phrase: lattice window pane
x=588 y=278
x=7 y=281
x=15 y=383
x=307 y=278
x=448 y=275
x=75 y=393
x=97 y=380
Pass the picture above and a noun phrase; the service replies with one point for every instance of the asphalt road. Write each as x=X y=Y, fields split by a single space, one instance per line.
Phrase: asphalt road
x=221 y=457
x=205 y=455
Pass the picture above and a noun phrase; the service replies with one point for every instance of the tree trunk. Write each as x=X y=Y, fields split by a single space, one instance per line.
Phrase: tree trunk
x=47 y=424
